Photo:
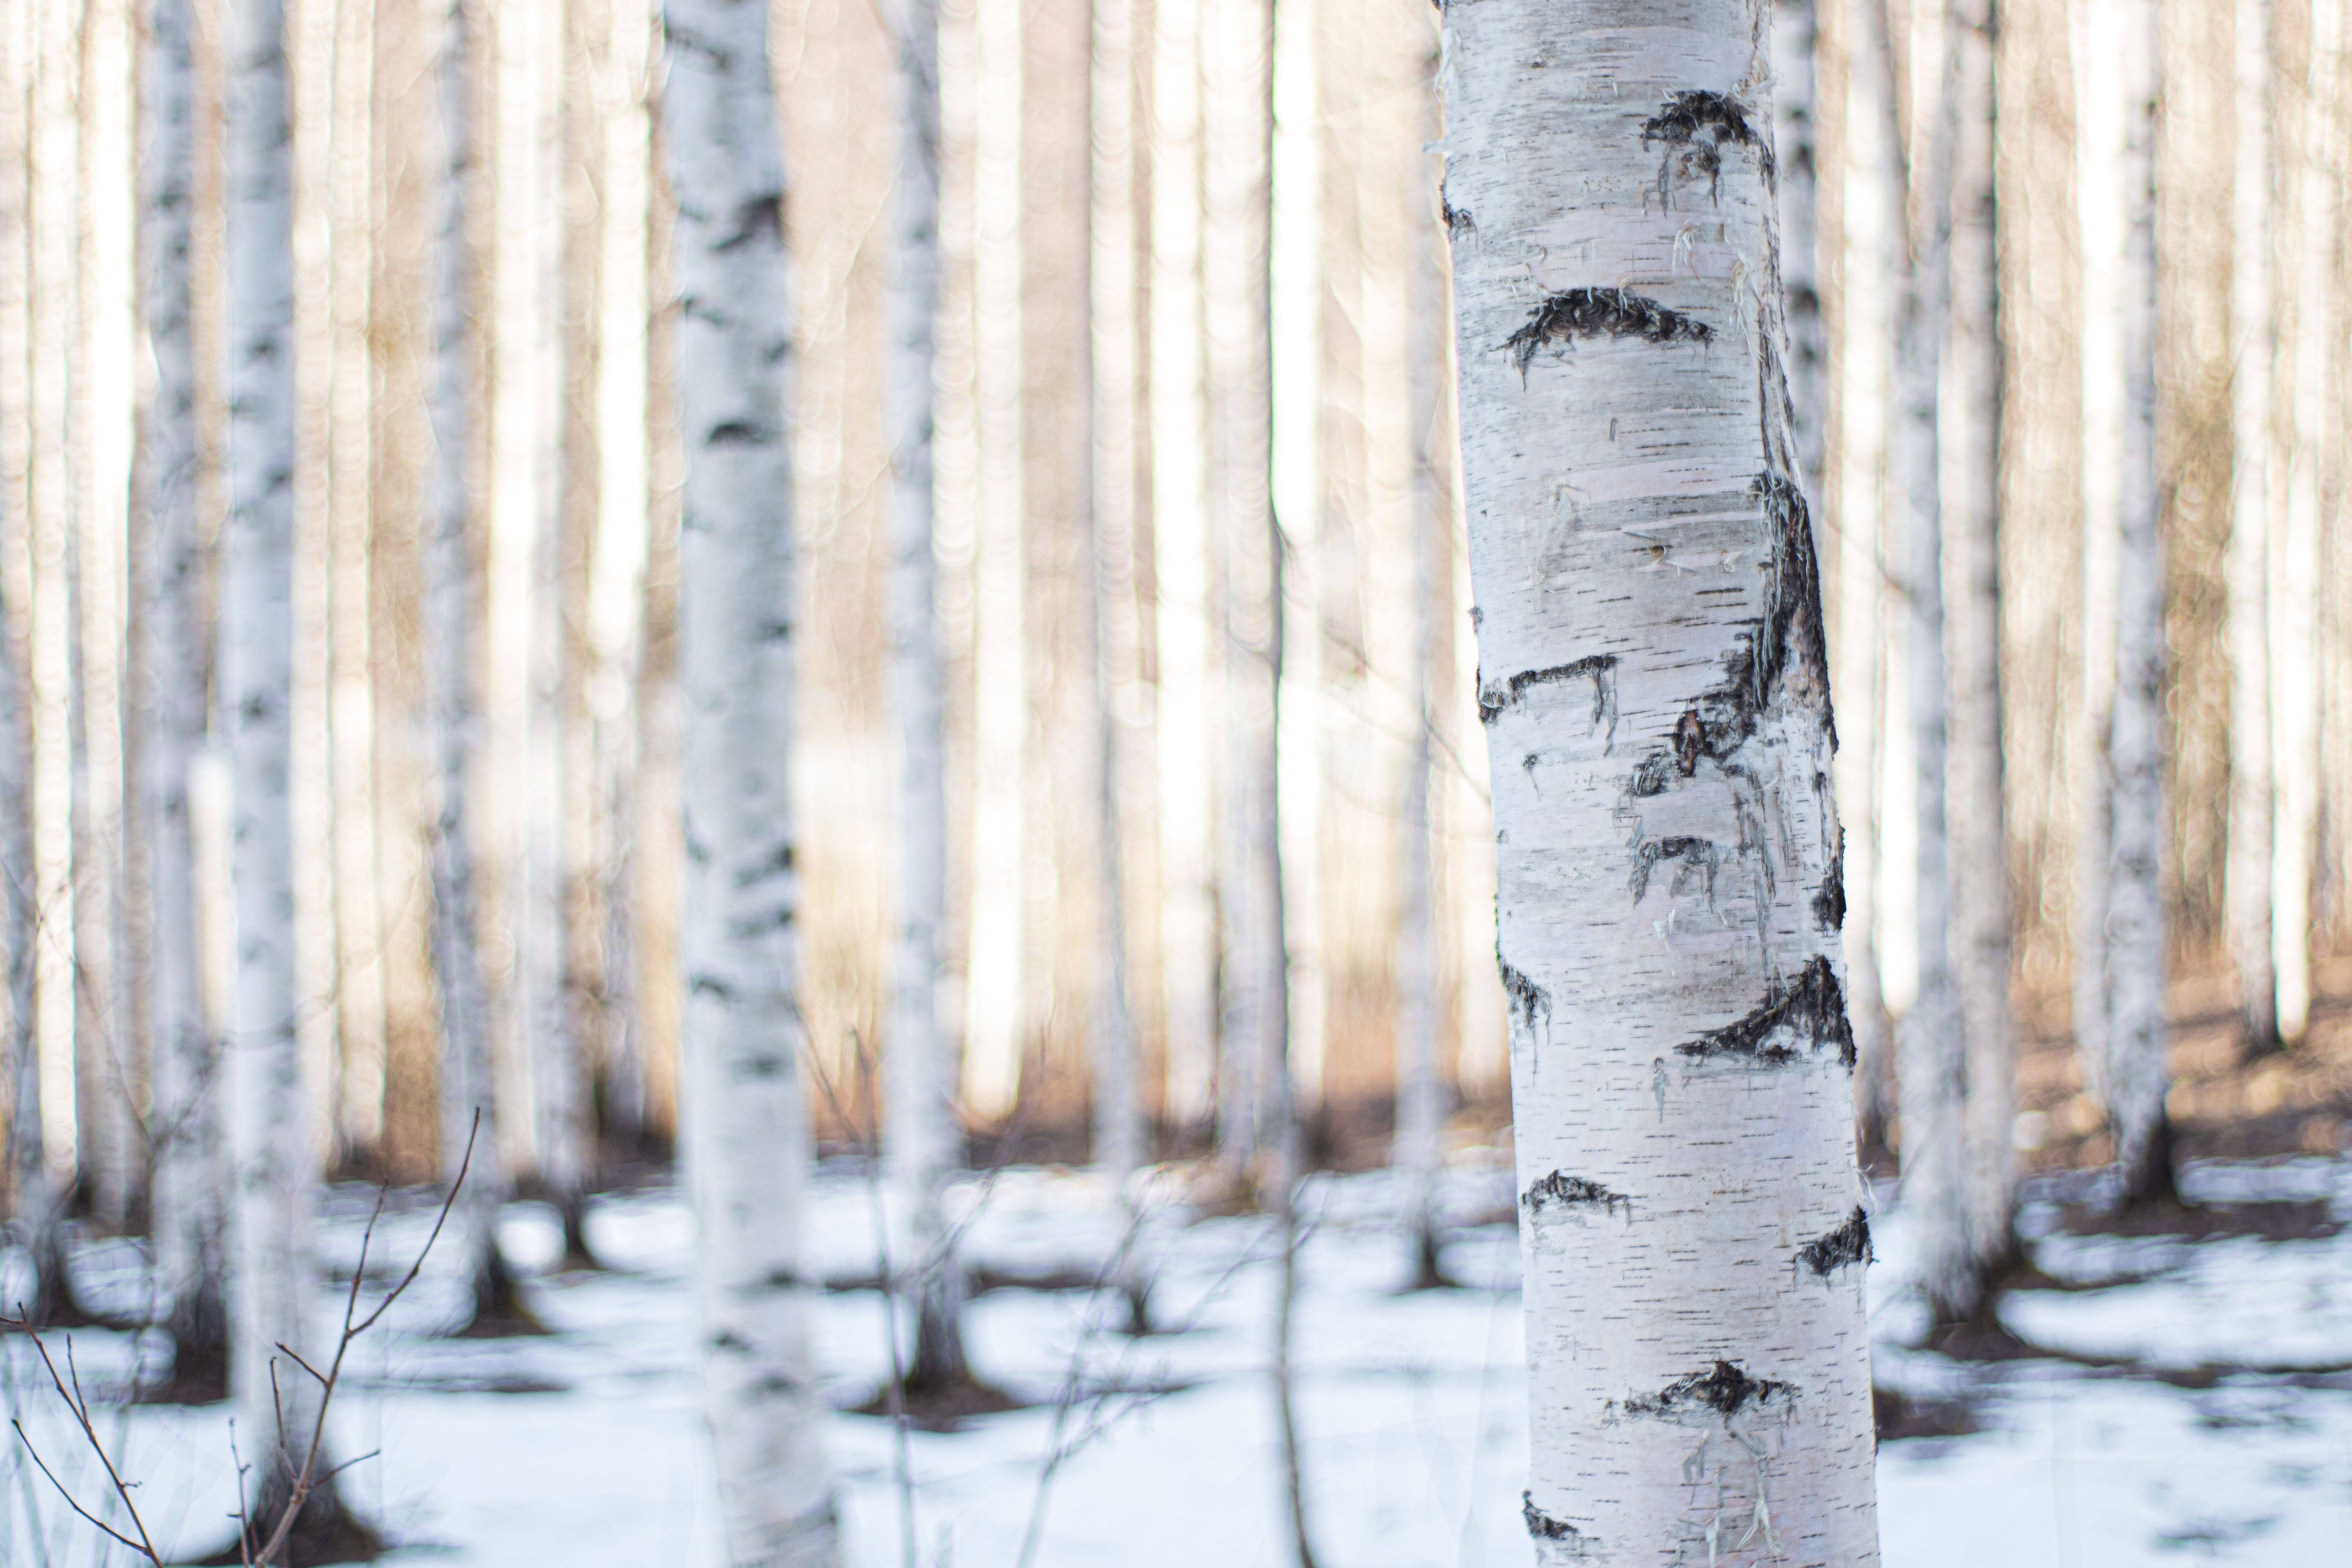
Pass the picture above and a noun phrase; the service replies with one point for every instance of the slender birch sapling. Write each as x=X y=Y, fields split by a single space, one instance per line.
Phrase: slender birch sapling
x=1655 y=689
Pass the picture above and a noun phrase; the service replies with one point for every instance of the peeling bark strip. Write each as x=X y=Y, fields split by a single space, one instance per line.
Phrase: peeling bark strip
x=1848 y=1243
x=1599 y=668
x=1813 y=1012
x=1641 y=497
x=1601 y=313
x=1541 y=1526
x=1573 y=1191
x=1726 y=1389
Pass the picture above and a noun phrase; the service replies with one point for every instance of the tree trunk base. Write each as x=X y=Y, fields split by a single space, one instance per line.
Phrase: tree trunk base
x=500 y=1311
x=940 y=1406
x=324 y=1533
x=577 y=1253
x=199 y=1372
x=1428 y=1266
x=2149 y=1184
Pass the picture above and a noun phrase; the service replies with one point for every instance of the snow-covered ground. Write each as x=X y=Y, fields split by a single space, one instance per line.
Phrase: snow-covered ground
x=585 y=1449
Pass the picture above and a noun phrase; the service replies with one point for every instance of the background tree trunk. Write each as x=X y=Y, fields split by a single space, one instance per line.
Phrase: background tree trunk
x=1979 y=838
x=174 y=664
x=2252 y=326
x=745 y=1124
x=1796 y=45
x=1626 y=442
x=2138 y=1072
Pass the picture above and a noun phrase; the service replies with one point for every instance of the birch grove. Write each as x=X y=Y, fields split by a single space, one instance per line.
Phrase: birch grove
x=1627 y=447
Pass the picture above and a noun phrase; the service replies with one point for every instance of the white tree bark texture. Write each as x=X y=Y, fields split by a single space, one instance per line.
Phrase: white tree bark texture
x=2247 y=866
x=924 y=1145
x=1930 y=1058
x=745 y=1125
x=1796 y=45
x=1655 y=695
x=270 y=1116
x=1253 y=1003
x=1978 y=839
x=452 y=611
x=1121 y=1143
x=174 y=664
x=2139 y=1035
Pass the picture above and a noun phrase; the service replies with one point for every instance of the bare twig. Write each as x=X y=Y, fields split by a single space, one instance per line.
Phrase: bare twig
x=77 y=1404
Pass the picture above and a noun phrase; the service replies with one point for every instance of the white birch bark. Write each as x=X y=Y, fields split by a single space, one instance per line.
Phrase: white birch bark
x=923 y=1145
x=1253 y=1026
x=1654 y=688
x=467 y=1090
x=1979 y=839
x=1930 y=1061
x=1796 y=42
x=745 y=1125
x=176 y=665
x=1865 y=364
x=101 y=429
x=1120 y=1145
x=1179 y=550
x=271 y=1144
x=2246 y=570
x=2296 y=570
x=2138 y=1072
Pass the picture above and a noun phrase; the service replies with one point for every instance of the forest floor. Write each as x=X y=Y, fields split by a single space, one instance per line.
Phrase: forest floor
x=2194 y=1402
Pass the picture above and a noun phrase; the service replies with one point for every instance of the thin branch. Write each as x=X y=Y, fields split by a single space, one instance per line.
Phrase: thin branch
x=79 y=1405
x=138 y=1546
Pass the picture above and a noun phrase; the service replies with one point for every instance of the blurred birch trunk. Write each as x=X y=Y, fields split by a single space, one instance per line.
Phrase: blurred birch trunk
x=745 y=1124
x=1651 y=1059
x=1979 y=838
x=173 y=660
x=2254 y=358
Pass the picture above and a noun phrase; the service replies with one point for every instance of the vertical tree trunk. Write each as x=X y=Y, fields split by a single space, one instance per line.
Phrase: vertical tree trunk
x=1253 y=1024
x=174 y=662
x=1655 y=694
x=1421 y=1091
x=1180 y=561
x=1796 y=42
x=745 y=1124
x=2314 y=431
x=1930 y=1061
x=1119 y=1142
x=2138 y=1073
x=924 y=1146
x=271 y=1129
x=1979 y=838
x=2253 y=351
x=453 y=665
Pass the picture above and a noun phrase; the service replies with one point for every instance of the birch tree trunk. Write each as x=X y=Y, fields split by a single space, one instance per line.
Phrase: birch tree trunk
x=36 y=1197
x=2138 y=1072
x=1119 y=1142
x=271 y=1131
x=1252 y=1092
x=1930 y=1061
x=922 y=1133
x=2252 y=329
x=1978 y=840
x=1795 y=43
x=174 y=661
x=1655 y=695
x=745 y=1125
x=451 y=586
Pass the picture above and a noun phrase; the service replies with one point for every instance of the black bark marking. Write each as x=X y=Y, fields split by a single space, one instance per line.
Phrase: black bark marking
x=1726 y=1389
x=1600 y=669
x=1541 y=1526
x=1812 y=1010
x=1458 y=221
x=1695 y=126
x=1574 y=1191
x=1527 y=997
x=1698 y=852
x=1848 y=1243
x=1829 y=900
x=1601 y=313
x=1783 y=658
